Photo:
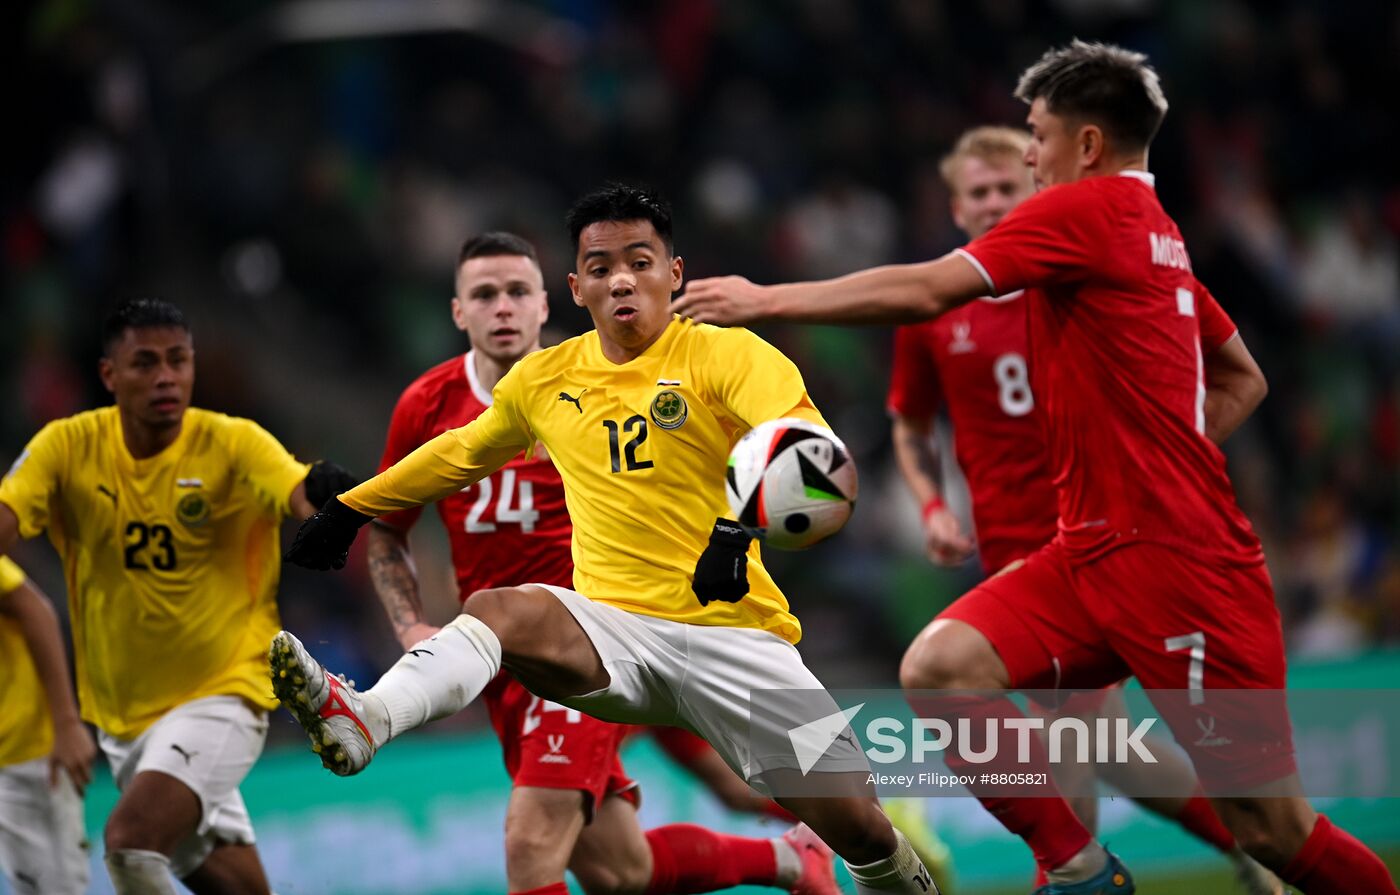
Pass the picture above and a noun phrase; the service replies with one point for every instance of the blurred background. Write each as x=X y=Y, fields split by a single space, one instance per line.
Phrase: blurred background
x=298 y=176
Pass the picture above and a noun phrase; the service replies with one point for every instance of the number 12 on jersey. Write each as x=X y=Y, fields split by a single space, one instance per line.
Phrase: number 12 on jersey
x=516 y=503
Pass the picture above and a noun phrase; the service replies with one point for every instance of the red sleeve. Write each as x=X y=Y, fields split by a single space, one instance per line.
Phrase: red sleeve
x=914 y=392
x=405 y=436
x=1056 y=236
x=1216 y=326
x=682 y=745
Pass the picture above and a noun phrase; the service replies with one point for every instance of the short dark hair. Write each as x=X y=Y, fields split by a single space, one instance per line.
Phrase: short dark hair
x=140 y=313
x=1102 y=84
x=496 y=242
x=622 y=202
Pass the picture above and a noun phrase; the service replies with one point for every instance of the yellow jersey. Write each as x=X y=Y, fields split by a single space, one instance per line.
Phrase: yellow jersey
x=642 y=448
x=171 y=561
x=26 y=731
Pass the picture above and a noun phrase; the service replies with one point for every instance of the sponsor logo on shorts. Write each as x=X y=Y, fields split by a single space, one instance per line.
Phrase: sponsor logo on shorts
x=1208 y=736
x=555 y=755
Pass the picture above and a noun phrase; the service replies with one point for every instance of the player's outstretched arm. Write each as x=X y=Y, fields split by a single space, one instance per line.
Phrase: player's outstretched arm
x=323 y=481
x=899 y=293
x=1234 y=388
x=73 y=746
x=9 y=528
x=396 y=583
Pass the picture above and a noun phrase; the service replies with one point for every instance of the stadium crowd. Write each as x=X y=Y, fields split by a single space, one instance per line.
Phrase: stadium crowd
x=303 y=193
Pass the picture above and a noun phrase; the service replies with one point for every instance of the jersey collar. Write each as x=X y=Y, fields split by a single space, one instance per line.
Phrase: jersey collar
x=478 y=392
x=1145 y=176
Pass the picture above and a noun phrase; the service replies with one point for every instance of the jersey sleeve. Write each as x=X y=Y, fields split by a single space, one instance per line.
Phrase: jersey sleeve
x=454 y=459
x=405 y=434
x=757 y=382
x=1057 y=236
x=1216 y=326
x=914 y=390
x=265 y=465
x=11 y=575
x=32 y=482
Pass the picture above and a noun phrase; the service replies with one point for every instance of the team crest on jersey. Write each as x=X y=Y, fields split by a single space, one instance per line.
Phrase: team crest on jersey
x=668 y=409
x=193 y=509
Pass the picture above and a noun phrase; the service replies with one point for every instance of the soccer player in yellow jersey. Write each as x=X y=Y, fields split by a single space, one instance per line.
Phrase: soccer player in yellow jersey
x=45 y=751
x=167 y=518
x=673 y=619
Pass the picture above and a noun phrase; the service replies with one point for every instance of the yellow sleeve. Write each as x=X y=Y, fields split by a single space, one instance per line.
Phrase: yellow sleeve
x=11 y=575
x=268 y=467
x=757 y=382
x=29 y=486
x=451 y=461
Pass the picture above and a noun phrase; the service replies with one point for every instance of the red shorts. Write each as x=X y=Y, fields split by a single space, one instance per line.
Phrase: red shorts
x=684 y=747
x=554 y=747
x=1185 y=627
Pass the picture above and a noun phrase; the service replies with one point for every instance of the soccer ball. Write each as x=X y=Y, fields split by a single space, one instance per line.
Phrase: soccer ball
x=791 y=483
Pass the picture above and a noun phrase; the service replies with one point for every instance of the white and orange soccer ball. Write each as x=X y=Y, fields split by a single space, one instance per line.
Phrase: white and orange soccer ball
x=791 y=483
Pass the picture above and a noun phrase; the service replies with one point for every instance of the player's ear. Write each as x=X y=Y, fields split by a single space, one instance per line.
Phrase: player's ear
x=459 y=313
x=573 y=289
x=106 y=371
x=677 y=272
x=1091 y=145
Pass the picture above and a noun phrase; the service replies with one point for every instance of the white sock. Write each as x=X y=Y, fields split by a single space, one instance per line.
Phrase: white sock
x=788 y=862
x=901 y=872
x=440 y=676
x=1086 y=862
x=135 y=871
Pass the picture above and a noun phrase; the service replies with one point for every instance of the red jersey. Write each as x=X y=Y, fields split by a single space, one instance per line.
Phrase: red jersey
x=509 y=528
x=1116 y=323
x=976 y=361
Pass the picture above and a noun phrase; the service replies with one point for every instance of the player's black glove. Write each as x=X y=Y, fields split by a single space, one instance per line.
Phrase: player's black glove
x=324 y=539
x=326 y=480
x=722 y=572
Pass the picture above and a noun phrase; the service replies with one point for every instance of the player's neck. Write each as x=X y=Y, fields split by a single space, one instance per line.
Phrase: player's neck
x=1115 y=165
x=618 y=353
x=143 y=441
x=489 y=370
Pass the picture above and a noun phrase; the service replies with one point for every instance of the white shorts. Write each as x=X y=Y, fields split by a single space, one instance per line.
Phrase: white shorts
x=43 y=846
x=701 y=677
x=209 y=745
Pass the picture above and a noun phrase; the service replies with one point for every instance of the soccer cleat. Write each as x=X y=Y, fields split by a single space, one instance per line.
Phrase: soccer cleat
x=818 y=877
x=1254 y=878
x=325 y=705
x=907 y=815
x=1113 y=879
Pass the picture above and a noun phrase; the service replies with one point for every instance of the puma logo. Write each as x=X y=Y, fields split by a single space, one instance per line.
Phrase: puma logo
x=565 y=396
x=29 y=882
x=186 y=755
x=103 y=489
x=420 y=652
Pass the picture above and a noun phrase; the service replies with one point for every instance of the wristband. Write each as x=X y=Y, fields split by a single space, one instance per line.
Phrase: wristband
x=931 y=505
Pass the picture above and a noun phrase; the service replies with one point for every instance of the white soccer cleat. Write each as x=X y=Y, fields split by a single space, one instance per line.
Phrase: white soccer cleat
x=325 y=705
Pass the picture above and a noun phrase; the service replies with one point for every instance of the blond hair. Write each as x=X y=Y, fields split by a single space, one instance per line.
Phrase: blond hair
x=989 y=144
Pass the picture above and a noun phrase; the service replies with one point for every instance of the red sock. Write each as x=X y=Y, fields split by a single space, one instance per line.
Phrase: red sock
x=1046 y=823
x=773 y=809
x=1333 y=862
x=686 y=858
x=552 y=889
x=1199 y=819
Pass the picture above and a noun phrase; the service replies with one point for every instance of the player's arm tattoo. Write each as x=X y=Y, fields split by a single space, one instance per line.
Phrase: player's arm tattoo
x=395 y=579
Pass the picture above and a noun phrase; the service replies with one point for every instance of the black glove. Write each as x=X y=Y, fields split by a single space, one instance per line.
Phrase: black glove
x=326 y=480
x=324 y=539
x=722 y=572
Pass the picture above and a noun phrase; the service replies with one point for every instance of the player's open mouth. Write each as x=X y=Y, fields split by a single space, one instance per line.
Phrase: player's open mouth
x=504 y=333
x=625 y=313
x=165 y=403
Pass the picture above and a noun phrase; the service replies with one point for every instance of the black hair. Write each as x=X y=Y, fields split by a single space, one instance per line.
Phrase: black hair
x=622 y=202
x=496 y=242
x=1101 y=84
x=140 y=313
